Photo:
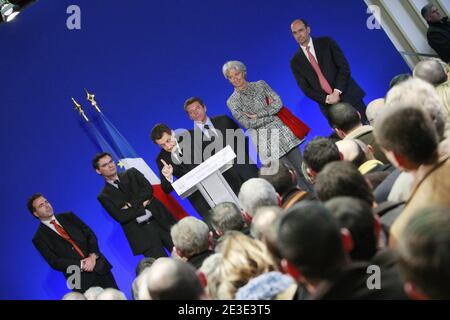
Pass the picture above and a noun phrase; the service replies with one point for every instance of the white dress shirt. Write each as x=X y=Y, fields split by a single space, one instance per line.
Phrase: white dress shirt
x=201 y=126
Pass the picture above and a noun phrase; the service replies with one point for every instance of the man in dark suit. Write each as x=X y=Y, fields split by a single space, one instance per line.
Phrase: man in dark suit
x=322 y=72
x=175 y=160
x=214 y=134
x=128 y=198
x=438 y=34
x=70 y=246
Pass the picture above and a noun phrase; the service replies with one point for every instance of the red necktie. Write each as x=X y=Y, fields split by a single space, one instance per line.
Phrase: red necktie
x=323 y=82
x=66 y=236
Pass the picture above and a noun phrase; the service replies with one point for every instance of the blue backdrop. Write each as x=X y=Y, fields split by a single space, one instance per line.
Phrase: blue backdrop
x=142 y=62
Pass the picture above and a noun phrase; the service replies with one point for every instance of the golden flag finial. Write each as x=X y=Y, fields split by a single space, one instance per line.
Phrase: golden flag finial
x=80 y=110
x=90 y=97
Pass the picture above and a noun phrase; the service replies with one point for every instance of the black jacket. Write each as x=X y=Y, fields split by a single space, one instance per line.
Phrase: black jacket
x=243 y=168
x=137 y=189
x=180 y=168
x=335 y=69
x=438 y=36
x=60 y=254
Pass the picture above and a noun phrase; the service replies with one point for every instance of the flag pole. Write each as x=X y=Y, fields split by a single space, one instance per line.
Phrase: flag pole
x=80 y=110
x=90 y=97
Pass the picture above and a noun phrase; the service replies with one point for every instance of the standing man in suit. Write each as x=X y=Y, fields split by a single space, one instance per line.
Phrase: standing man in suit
x=438 y=33
x=222 y=131
x=175 y=160
x=128 y=198
x=66 y=243
x=322 y=72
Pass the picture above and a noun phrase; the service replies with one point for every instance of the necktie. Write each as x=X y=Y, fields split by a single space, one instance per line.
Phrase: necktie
x=118 y=184
x=208 y=130
x=66 y=237
x=323 y=82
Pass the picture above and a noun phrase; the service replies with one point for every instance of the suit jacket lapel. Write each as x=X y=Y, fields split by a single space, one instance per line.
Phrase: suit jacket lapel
x=68 y=228
x=319 y=52
x=306 y=65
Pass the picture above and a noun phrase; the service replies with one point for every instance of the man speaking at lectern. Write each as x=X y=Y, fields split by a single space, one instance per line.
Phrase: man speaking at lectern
x=175 y=160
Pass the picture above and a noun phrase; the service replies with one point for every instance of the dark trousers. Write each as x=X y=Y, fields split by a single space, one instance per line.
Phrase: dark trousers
x=158 y=238
x=98 y=280
x=294 y=159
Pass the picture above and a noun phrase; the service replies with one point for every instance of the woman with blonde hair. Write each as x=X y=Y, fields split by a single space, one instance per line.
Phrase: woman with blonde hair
x=244 y=259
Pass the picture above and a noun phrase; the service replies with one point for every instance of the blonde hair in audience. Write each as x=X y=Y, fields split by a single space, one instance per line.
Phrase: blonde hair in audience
x=243 y=259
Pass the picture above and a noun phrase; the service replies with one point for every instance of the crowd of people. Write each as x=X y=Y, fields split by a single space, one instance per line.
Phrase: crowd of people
x=363 y=214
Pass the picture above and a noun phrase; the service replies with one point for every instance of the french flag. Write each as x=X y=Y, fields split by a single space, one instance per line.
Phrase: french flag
x=116 y=144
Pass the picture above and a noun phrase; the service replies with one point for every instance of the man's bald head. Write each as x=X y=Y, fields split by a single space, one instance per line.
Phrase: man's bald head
x=172 y=279
x=373 y=109
x=430 y=71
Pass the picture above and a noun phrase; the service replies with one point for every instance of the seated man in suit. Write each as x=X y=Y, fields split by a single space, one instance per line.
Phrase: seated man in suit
x=68 y=245
x=175 y=160
x=128 y=198
x=218 y=132
x=322 y=71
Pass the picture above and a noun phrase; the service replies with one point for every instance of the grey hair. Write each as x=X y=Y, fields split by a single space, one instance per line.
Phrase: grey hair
x=111 y=294
x=139 y=286
x=212 y=271
x=74 y=296
x=227 y=216
x=93 y=292
x=190 y=236
x=255 y=193
x=263 y=221
x=420 y=94
x=373 y=109
x=431 y=71
x=234 y=64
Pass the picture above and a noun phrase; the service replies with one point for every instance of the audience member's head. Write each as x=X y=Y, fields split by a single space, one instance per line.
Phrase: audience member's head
x=318 y=152
x=211 y=270
x=431 y=71
x=342 y=178
x=312 y=244
x=399 y=79
x=418 y=93
x=74 y=296
x=355 y=151
x=111 y=294
x=173 y=279
x=190 y=237
x=268 y=234
x=139 y=287
x=408 y=137
x=255 y=193
x=356 y=216
x=93 y=292
x=226 y=216
x=373 y=109
x=344 y=118
x=243 y=258
x=263 y=221
x=143 y=264
x=284 y=180
x=430 y=13
x=424 y=251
